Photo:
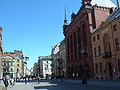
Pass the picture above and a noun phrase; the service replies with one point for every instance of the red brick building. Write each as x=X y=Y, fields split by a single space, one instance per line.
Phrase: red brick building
x=79 y=57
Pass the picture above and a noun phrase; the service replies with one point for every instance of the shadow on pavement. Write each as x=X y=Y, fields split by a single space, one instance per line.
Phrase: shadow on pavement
x=92 y=85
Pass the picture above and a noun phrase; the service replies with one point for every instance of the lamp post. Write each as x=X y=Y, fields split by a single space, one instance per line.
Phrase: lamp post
x=25 y=67
x=84 y=51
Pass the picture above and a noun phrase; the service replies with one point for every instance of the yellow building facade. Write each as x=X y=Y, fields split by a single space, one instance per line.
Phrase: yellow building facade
x=12 y=65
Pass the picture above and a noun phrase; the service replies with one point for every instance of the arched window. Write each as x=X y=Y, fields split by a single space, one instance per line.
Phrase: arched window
x=106 y=41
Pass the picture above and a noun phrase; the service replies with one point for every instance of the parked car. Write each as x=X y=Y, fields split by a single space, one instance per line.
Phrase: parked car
x=2 y=85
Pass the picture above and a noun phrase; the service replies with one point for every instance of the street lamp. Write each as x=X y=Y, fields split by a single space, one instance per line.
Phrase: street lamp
x=25 y=67
x=84 y=52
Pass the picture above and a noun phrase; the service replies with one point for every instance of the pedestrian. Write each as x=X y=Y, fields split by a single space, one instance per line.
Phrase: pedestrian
x=6 y=83
x=25 y=80
x=37 y=79
x=10 y=80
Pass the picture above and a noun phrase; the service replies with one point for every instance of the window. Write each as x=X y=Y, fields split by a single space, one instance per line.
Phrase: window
x=117 y=44
x=11 y=64
x=18 y=60
x=17 y=70
x=96 y=67
x=99 y=50
x=119 y=65
x=101 y=67
x=98 y=36
x=11 y=69
x=95 y=52
x=115 y=27
x=17 y=65
x=93 y=39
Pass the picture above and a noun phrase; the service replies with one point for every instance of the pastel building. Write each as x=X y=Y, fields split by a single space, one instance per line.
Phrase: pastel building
x=45 y=66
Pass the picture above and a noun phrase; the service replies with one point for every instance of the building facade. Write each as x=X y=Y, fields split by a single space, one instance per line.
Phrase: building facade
x=45 y=66
x=1 y=51
x=106 y=47
x=79 y=55
x=55 y=57
x=36 y=69
x=62 y=53
x=12 y=65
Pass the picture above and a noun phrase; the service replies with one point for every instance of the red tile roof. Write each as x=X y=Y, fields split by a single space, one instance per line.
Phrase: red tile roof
x=11 y=55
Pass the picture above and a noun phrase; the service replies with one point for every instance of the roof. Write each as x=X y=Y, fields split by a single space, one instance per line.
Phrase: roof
x=114 y=15
x=103 y=3
x=11 y=55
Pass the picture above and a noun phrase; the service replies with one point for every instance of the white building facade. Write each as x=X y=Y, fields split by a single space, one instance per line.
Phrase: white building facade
x=45 y=66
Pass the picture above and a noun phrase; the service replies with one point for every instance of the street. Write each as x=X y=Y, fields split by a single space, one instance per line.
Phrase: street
x=67 y=85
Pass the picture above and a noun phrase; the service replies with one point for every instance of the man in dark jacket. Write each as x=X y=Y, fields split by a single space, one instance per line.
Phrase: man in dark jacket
x=6 y=83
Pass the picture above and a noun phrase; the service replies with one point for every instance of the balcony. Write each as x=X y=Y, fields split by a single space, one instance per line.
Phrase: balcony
x=107 y=54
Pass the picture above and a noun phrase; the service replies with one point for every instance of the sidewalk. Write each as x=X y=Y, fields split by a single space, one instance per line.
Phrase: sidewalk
x=21 y=87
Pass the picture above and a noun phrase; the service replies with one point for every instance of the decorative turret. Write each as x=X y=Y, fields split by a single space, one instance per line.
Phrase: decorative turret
x=86 y=2
x=73 y=15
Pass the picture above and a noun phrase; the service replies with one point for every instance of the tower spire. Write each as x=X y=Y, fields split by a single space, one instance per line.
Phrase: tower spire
x=65 y=20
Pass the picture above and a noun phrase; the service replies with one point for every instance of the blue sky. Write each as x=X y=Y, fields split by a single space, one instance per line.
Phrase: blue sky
x=33 y=26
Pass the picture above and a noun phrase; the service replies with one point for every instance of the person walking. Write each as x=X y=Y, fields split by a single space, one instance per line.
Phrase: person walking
x=25 y=80
x=6 y=83
x=37 y=79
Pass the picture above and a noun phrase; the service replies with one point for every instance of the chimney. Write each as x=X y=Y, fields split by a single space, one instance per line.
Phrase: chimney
x=111 y=10
x=73 y=15
x=118 y=4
